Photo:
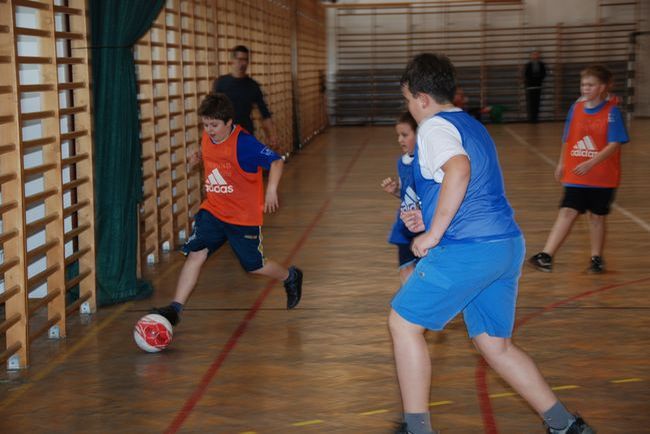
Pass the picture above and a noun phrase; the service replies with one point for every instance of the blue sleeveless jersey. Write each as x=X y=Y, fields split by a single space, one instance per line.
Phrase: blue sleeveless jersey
x=410 y=201
x=485 y=213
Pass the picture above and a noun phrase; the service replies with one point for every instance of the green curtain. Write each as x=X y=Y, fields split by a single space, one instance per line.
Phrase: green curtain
x=116 y=25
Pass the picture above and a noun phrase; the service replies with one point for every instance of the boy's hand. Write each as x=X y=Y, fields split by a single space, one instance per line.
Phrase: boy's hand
x=271 y=203
x=584 y=167
x=413 y=220
x=194 y=159
x=390 y=186
x=423 y=243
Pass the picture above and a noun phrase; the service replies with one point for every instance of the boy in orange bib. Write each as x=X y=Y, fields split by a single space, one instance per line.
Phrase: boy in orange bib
x=589 y=167
x=234 y=204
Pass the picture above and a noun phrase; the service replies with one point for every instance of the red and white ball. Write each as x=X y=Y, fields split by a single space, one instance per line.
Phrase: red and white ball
x=152 y=333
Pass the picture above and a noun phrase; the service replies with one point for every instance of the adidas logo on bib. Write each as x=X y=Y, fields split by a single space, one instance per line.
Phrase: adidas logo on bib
x=584 y=148
x=217 y=184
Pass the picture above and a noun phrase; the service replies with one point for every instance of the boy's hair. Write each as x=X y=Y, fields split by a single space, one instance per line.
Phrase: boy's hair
x=239 y=49
x=407 y=118
x=601 y=73
x=432 y=74
x=217 y=106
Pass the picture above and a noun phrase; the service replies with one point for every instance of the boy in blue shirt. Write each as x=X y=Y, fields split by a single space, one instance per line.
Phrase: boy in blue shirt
x=470 y=255
x=404 y=189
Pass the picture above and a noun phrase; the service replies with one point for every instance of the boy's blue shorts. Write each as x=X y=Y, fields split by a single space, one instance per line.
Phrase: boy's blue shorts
x=211 y=233
x=478 y=279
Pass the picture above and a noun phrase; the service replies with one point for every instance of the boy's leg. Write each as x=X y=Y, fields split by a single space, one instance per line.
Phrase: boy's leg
x=273 y=270
x=246 y=241
x=517 y=369
x=189 y=275
x=597 y=233
x=565 y=219
x=207 y=236
x=413 y=372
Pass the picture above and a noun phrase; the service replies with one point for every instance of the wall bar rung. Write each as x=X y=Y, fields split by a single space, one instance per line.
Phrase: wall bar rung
x=40 y=302
x=74 y=306
x=39 y=197
x=76 y=256
x=9 y=293
x=76 y=231
x=41 y=277
x=45 y=327
x=7 y=264
x=40 y=224
x=74 y=208
x=41 y=250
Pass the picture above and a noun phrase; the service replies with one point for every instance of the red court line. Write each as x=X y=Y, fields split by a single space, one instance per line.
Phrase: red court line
x=212 y=371
x=489 y=422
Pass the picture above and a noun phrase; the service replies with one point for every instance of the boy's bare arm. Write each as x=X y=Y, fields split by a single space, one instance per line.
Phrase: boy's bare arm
x=559 y=169
x=584 y=167
x=271 y=203
x=452 y=192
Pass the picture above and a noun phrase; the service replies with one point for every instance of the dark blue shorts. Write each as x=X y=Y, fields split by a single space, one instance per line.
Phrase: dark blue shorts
x=405 y=256
x=211 y=233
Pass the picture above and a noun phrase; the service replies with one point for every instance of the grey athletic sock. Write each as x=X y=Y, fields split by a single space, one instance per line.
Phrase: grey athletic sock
x=558 y=417
x=418 y=423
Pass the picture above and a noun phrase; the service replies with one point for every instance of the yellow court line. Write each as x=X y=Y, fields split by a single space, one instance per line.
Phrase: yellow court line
x=373 y=412
x=502 y=395
x=626 y=380
x=308 y=422
x=437 y=403
x=19 y=391
x=567 y=387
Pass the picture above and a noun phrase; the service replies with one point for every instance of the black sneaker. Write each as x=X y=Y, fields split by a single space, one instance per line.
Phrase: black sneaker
x=169 y=313
x=579 y=426
x=541 y=262
x=597 y=265
x=293 y=287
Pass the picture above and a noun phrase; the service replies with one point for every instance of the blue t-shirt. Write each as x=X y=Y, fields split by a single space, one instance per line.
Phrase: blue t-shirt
x=485 y=213
x=410 y=201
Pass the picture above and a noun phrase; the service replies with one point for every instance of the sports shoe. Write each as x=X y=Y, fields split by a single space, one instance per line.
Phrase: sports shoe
x=597 y=265
x=402 y=428
x=293 y=287
x=541 y=262
x=169 y=313
x=578 y=426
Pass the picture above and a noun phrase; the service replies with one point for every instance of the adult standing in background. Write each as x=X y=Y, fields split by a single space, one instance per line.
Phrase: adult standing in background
x=243 y=91
x=534 y=77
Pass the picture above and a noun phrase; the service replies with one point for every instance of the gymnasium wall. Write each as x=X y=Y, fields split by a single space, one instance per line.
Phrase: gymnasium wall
x=47 y=256
x=489 y=42
x=177 y=62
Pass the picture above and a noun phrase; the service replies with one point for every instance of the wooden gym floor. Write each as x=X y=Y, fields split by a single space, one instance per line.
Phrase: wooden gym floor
x=241 y=363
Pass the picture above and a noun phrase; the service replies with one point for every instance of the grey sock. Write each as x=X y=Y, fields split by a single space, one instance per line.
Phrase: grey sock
x=418 y=423
x=558 y=417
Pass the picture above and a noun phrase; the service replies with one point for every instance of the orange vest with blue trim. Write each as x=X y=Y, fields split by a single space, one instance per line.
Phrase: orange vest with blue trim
x=232 y=194
x=587 y=136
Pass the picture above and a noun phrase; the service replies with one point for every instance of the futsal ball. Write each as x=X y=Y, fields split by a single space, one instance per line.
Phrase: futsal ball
x=152 y=333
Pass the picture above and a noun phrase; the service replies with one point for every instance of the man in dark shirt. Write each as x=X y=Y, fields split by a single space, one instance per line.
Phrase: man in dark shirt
x=534 y=76
x=243 y=91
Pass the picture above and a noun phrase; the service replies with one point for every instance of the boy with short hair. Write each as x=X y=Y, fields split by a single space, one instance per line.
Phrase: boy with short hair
x=235 y=202
x=471 y=254
x=589 y=166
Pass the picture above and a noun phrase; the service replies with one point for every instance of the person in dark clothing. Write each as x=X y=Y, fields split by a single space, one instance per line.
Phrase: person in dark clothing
x=243 y=91
x=534 y=76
